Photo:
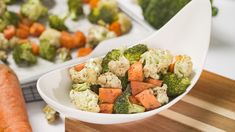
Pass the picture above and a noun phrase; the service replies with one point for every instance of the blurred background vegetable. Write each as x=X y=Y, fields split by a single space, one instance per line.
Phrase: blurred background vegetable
x=47 y=50
x=3 y=56
x=63 y=55
x=51 y=35
x=2 y=7
x=57 y=23
x=9 y=1
x=112 y=55
x=75 y=8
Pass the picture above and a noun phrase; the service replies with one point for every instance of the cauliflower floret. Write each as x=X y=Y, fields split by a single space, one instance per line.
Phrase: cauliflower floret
x=4 y=44
x=161 y=94
x=85 y=100
x=51 y=35
x=156 y=62
x=81 y=86
x=125 y=22
x=95 y=64
x=119 y=67
x=110 y=80
x=183 y=67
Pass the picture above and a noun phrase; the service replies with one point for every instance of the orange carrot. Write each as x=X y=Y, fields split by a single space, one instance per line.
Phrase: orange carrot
x=109 y=95
x=147 y=99
x=35 y=48
x=27 y=22
x=67 y=40
x=36 y=29
x=22 y=31
x=13 y=114
x=133 y=100
x=93 y=3
x=21 y=41
x=9 y=32
x=84 y=51
x=79 y=39
x=79 y=67
x=116 y=27
x=137 y=87
x=106 y=108
x=135 y=72
x=154 y=82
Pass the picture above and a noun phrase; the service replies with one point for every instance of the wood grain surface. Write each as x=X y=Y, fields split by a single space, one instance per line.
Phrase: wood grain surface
x=209 y=106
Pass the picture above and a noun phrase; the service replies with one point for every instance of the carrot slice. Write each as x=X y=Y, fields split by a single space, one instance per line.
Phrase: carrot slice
x=106 y=108
x=116 y=27
x=135 y=72
x=79 y=67
x=22 y=31
x=9 y=32
x=79 y=39
x=84 y=51
x=67 y=40
x=154 y=82
x=36 y=29
x=147 y=99
x=109 y=95
x=137 y=87
x=35 y=48
x=133 y=100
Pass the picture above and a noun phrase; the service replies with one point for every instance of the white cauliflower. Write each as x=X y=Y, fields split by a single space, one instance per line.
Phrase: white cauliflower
x=4 y=44
x=97 y=34
x=161 y=94
x=156 y=62
x=119 y=67
x=89 y=73
x=125 y=22
x=183 y=67
x=109 y=80
x=52 y=35
x=85 y=100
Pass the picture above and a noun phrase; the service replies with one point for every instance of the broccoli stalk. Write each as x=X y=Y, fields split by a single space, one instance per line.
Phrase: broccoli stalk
x=33 y=9
x=8 y=18
x=176 y=86
x=75 y=8
x=23 y=56
x=133 y=54
x=57 y=23
x=112 y=55
x=122 y=104
x=47 y=51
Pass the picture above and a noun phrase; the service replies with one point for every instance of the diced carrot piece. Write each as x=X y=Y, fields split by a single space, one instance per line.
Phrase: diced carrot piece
x=148 y=100
x=9 y=32
x=22 y=33
x=67 y=40
x=116 y=27
x=36 y=29
x=135 y=72
x=133 y=100
x=26 y=21
x=137 y=87
x=35 y=48
x=22 y=41
x=79 y=39
x=171 y=67
x=79 y=67
x=93 y=3
x=106 y=108
x=86 y=1
x=109 y=95
x=84 y=51
x=154 y=82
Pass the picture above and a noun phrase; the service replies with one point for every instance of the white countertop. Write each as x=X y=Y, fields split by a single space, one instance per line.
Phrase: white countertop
x=219 y=60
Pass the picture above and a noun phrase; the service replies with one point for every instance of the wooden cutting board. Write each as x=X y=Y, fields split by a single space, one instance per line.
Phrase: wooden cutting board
x=209 y=106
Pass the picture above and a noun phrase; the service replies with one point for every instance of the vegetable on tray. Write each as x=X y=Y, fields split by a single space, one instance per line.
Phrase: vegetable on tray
x=50 y=114
x=75 y=8
x=57 y=23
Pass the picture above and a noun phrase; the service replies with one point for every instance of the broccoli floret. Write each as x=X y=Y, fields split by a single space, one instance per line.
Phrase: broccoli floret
x=106 y=11
x=143 y=3
x=122 y=104
x=23 y=56
x=133 y=54
x=11 y=18
x=112 y=55
x=57 y=23
x=124 y=81
x=176 y=86
x=3 y=56
x=3 y=24
x=33 y=9
x=63 y=54
x=47 y=51
x=75 y=8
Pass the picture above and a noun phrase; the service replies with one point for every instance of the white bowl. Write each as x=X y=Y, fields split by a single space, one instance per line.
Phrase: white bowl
x=186 y=33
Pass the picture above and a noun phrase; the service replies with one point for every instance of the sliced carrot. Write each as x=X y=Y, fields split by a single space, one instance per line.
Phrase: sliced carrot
x=35 y=48
x=148 y=100
x=79 y=67
x=106 y=108
x=21 y=41
x=116 y=27
x=84 y=51
x=154 y=82
x=171 y=67
x=9 y=32
x=22 y=31
x=137 y=87
x=36 y=29
x=133 y=100
x=135 y=72
x=109 y=95
x=67 y=40
x=79 y=39
x=26 y=21
x=93 y=3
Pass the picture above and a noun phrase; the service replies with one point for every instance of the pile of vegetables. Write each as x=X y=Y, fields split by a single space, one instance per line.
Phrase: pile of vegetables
x=132 y=80
x=55 y=43
x=158 y=12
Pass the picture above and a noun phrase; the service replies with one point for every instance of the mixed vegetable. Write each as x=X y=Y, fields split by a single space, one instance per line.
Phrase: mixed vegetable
x=24 y=35
x=132 y=80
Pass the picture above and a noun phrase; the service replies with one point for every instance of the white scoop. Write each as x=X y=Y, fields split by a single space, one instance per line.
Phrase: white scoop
x=186 y=33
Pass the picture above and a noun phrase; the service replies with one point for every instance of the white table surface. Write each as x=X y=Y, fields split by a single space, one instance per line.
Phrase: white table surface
x=220 y=59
